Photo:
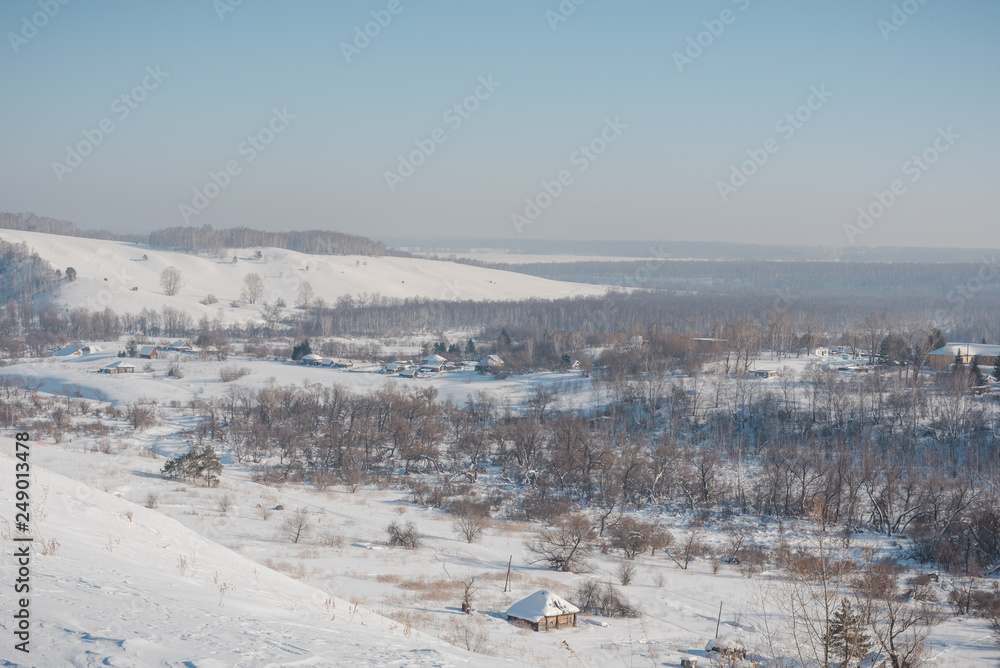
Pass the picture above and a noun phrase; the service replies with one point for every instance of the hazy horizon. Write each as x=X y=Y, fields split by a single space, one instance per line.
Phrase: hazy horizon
x=135 y=116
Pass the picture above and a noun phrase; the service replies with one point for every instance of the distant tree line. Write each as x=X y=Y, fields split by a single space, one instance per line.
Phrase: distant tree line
x=205 y=239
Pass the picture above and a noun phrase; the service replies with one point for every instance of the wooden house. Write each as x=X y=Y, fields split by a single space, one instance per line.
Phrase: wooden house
x=945 y=356
x=489 y=364
x=148 y=353
x=542 y=611
x=118 y=366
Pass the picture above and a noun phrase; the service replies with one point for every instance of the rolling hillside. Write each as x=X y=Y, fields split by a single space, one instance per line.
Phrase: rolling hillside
x=112 y=273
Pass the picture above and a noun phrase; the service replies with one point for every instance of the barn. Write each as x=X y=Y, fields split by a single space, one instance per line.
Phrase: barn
x=542 y=611
x=148 y=352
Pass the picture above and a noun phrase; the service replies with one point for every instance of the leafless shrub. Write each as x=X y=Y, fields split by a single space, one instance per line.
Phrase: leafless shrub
x=264 y=511
x=634 y=537
x=152 y=501
x=626 y=573
x=174 y=370
x=47 y=547
x=228 y=374
x=331 y=539
x=225 y=504
x=603 y=599
x=403 y=535
x=470 y=635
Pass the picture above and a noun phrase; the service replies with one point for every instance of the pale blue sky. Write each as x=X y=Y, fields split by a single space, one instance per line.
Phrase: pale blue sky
x=658 y=180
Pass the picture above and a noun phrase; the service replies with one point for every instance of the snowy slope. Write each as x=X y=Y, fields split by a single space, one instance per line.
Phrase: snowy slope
x=283 y=272
x=115 y=593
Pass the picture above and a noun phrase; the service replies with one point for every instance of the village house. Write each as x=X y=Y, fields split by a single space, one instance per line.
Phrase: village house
x=542 y=611
x=118 y=366
x=432 y=364
x=148 y=353
x=489 y=364
x=75 y=350
x=946 y=355
x=311 y=359
x=397 y=366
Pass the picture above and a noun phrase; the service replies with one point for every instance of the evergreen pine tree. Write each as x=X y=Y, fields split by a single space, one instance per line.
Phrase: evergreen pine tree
x=996 y=369
x=975 y=373
x=846 y=636
x=211 y=467
x=301 y=350
x=470 y=347
x=503 y=342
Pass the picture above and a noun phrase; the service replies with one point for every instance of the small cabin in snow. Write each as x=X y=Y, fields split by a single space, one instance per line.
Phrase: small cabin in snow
x=489 y=363
x=148 y=352
x=542 y=611
x=311 y=360
x=118 y=367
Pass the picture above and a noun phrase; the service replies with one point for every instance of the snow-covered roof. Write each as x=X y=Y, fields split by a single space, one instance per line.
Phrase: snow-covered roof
x=491 y=360
x=311 y=357
x=967 y=349
x=76 y=348
x=147 y=350
x=119 y=364
x=432 y=359
x=540 y=605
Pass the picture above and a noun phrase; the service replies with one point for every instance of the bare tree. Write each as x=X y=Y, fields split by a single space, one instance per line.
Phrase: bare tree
x=469 y=589
x=469 y=523
x=684 y=551
x=253 y=288
x=171 y=280
x=562 y=546
x=305 y=296
x=296 y=525
x=898 y=626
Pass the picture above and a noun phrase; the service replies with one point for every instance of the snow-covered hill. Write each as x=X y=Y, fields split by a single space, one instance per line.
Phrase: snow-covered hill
x=112 y=273
x=128 y=586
